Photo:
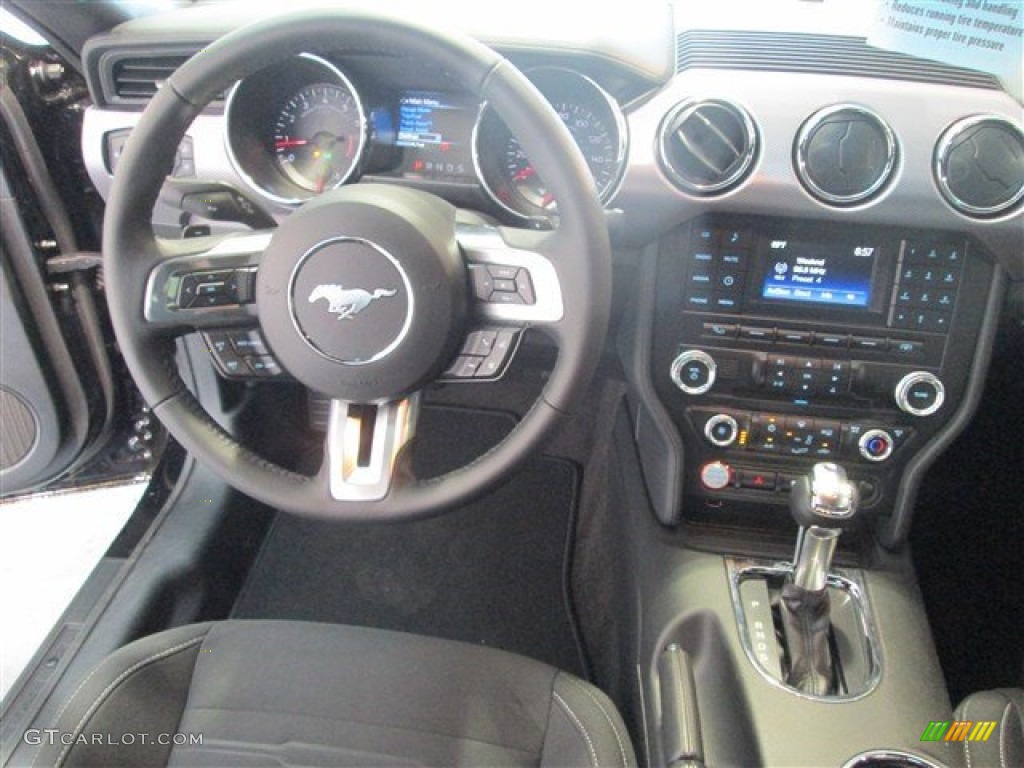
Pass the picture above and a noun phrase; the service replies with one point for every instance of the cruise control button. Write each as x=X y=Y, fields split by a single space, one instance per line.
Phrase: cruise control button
x=480 y=343
x=464 y=367
x=492 y=366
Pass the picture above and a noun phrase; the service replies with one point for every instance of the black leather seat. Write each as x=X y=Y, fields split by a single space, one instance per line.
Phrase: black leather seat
x=274 y=693
x=1004 y=748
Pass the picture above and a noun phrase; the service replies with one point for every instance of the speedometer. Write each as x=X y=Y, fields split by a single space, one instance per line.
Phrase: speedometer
x=595 y=123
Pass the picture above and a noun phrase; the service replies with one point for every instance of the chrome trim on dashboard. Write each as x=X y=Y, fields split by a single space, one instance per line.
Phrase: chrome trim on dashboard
x=849 y=582
x=753 y=140
x=236 y=165
x=622 y=150
x=800 y=154
x=942 y=148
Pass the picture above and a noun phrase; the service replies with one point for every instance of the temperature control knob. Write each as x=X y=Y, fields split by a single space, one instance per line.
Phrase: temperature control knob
x=694 y=371
x=721 y=430
x=875 y=445
x=920 y=393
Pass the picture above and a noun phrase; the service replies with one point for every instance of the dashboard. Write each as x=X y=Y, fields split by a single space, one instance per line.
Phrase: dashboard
x=821 y=231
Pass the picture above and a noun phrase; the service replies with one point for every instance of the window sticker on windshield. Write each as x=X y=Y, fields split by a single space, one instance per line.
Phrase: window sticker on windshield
x=978 y=34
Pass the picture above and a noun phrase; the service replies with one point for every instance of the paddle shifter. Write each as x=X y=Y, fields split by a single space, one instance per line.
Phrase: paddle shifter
x=822 y=503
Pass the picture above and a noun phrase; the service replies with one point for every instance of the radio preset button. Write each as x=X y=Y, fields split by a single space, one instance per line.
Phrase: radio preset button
x=832 y=340
x=757 y=333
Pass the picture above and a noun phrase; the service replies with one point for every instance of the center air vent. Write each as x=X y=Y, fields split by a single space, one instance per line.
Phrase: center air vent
x=979 y=165
x=707 y=147
x=845 y=154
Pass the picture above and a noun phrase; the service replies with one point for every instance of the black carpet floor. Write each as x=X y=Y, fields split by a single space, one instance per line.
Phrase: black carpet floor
x=492 y=572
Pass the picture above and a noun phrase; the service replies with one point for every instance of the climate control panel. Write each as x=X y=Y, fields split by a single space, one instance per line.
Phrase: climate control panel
x=776 y=344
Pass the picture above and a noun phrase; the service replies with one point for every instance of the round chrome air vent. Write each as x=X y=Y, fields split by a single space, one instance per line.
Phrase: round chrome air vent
x=706 y=147
x=844 y=154
x=979 y=165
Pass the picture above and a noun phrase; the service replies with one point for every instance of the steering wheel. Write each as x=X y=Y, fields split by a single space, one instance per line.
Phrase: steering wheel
x=399 y=254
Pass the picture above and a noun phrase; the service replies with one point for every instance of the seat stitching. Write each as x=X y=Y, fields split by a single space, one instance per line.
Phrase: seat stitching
x=1002 y=733
x=98 y=701
x=600 y=706
x=355 y=721
x=580 y=727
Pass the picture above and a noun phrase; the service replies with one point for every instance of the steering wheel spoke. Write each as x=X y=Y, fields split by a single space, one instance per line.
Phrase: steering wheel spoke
x=514 y=280
x=207 y=286
x=363 y=455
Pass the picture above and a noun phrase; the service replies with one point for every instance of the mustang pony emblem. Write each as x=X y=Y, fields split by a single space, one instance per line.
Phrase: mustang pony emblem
x=346 y=303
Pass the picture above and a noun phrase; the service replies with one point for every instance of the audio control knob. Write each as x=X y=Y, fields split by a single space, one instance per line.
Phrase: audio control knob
x=875 y=445
x=721 y=430
x=920 y=393
x=694 y=371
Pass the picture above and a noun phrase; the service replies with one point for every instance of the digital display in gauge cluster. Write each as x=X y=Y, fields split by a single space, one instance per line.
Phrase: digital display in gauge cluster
x=434 y=131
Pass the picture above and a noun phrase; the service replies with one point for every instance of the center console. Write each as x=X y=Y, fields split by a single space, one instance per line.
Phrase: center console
x=775 y=344
x=777 y=366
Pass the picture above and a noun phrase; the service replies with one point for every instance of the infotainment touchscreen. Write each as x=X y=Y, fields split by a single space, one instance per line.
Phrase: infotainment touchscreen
x=819 y=273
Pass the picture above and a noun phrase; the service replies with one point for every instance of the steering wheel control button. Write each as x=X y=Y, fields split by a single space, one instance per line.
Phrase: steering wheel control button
x=694 y=371
x=248 y=343
x=501 y=284
x=875 y=445
x=483 y=282
x=716 y=475
x=721 y=430
x=485 y=356
x=197 y=290
x=264 y=366
x=920 y=393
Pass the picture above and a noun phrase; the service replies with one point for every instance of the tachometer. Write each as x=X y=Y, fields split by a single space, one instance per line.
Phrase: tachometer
x=595 y=122
x=295 y=128
x=318 y=135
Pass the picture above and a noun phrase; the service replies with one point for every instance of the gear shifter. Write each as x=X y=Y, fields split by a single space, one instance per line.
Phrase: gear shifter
x=822 y=504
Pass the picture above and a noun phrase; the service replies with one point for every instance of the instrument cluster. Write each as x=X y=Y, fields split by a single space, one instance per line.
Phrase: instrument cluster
x=301 y=127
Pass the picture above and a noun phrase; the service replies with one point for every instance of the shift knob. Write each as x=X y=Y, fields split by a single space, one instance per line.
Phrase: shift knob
x=825 y=498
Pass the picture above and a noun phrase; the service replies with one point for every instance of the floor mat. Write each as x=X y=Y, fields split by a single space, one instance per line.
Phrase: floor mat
x=492 y=572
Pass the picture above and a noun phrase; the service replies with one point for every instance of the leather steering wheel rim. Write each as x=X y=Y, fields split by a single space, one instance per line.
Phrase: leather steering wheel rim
x=131 y=250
